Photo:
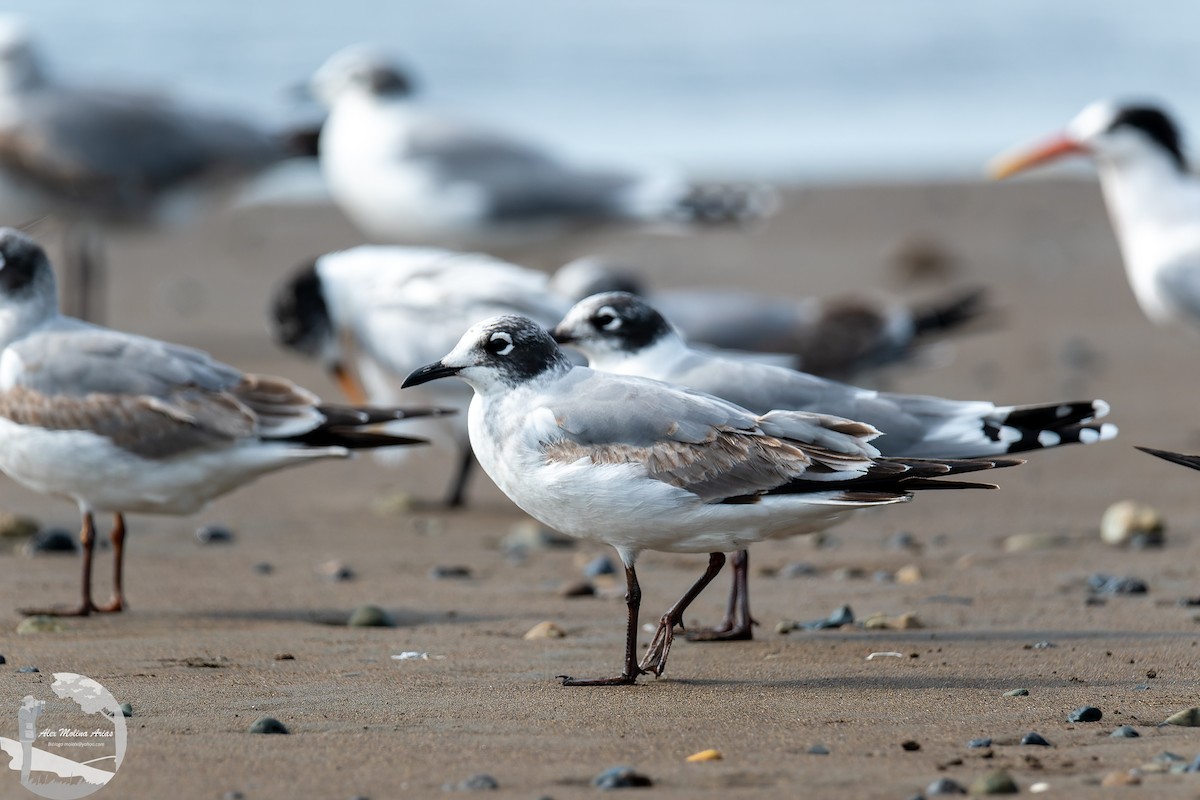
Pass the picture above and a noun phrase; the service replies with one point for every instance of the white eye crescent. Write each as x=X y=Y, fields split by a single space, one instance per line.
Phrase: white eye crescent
x=500 y=344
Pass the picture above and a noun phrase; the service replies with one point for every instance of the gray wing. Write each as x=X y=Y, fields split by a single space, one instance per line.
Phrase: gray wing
x=699 y=443
x=1180 y=282
x=151 y=398
x=519 y=180
x=118 y=149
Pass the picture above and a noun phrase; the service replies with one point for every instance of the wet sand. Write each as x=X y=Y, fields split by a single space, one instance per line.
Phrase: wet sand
x=198 y=653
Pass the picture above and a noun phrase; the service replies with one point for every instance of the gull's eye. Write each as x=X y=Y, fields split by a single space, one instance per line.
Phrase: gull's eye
x=606 y=320
x=500 y=344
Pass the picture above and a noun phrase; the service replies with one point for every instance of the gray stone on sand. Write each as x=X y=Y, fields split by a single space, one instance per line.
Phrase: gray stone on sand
x=983 y=741
x=600 y=565
x=1125 y=732
x=369 y=616
x=126 y=709
x=214 y=534
x=621 y=778
x=51 y=540
x=265 y=724
x=818 y=750
x=1035 y=738
x=995 y=782
x=451 y=572
x=1085 y=714
x=944 y=786
x=476 y=783
x=1102 y=583
x=28 y=670
x=1017 y=693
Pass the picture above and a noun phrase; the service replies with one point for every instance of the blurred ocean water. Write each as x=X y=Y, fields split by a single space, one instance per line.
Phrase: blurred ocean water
x=771 y=88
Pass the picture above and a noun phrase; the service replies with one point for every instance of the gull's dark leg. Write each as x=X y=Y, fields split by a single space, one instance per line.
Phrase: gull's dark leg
x=633 y=602
x=87 y=538
x=458 y=489
x=738 y=625
x=117 y=537
x=655 y=659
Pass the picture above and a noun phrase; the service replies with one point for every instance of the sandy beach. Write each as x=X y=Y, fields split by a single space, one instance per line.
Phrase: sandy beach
x=210 y=643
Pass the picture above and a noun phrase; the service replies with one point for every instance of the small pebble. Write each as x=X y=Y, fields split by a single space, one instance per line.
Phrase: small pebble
x=902 y=541
x=478 y=783
x=453 y=572
x=995 y=782
x=798 y=569
x=213 y=534
x=370 y=616
x=909 y=574
x=945 y=786
x=1039 y=787
x=1023 y=542
x=1124 y=520
x=978 y=743
x=620 y=778
x=233 y=796
x=3 y=660
x=1188 y=718
x=705 y=755
x=41 y=624
x=1042 y=645
x=578 y=589
x=127 y=709
x=335 y=570
x=1142 y=687
x=28 y=670
x=544 y=630
x=1085 y=714
x=910 y=746
x=1125 y=778
x=818 y=750
x=267 y=725
x=600 y=565
x=1194 y=766
x=51 y=540
x=1035 y=738
x=1017 y=693
x=848 y=574
x=882 y=576
x=263 y=568
x=529 y=535
x=1125 y=732
x=1100 y=583
x=284 y=657
x=842 y=616
x=15 y=526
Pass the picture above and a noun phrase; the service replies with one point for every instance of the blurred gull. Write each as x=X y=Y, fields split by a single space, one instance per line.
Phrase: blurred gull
x=839 y=337
x=643 y=465
x=1153 y=198
x=621 y=333
x=403 y=173
x=373 y=314
x=122 y=423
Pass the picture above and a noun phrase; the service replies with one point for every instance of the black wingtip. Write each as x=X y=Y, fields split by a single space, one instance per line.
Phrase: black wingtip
x=1190 y=461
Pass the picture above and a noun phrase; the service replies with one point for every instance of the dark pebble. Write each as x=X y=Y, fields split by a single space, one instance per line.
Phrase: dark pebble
x=267 y=725
x=945 y=786
x=1188 y=602
x=1145 y=541
x=1085 y=714
x=455 y=572
x=1034 y=738
x=578 y=589
x=1125 y=732
x=28 y=669
x=52 y=540
x=600 y=565
x=1100 y=583
x=233 y=796
x=1167 y=757
x=983 y=742
x=799 y=569
x=621 y=778
x=818 y=750
x=126 y=709
x=910 y=746
x=3 y=660
x=213 y=534
x=882 y=576
x=902 y=541
x=263 y=568
x=843 y=616
x=370 y=616
x=477 y=783
x=1042 y=645
x=1194 y=766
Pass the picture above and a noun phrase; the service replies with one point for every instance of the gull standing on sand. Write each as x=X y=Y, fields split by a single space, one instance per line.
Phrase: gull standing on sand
x=838 y=337
x=404 y=173
x=123 y=423
x=643 y=465
x=621 y=333
x=1153 y=198
x=373 y=314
